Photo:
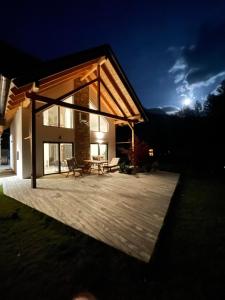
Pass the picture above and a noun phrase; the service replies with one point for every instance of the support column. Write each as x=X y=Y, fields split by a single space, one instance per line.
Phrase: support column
x=33 y=146
x=99 y=86
x=131 y=125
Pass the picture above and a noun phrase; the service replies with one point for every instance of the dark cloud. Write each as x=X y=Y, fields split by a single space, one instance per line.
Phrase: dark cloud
x=165 y=110
x=198 y=68
x=207 y=57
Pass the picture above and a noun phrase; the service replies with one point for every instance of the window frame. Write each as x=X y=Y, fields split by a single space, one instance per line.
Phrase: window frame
x=107 y=146
x=98 y=119
x=58 y=112
x=59 y=161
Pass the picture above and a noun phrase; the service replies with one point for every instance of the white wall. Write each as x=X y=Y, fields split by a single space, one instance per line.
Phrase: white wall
x=20 y=129
x=16 y=144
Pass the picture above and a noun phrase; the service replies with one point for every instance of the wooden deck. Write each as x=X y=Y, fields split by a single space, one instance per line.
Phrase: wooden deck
x=123 y=211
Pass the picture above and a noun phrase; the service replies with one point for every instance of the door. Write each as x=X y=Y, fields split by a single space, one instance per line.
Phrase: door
x=55 y=155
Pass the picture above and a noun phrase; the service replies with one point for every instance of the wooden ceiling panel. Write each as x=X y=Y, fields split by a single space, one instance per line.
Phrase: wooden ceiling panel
x=122 y=87
x=106 y=104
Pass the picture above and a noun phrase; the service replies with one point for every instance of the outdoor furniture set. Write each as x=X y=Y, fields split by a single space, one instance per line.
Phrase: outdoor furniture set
x=96 y=163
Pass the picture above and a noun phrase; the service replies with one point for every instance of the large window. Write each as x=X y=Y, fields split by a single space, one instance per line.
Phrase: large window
x=97 y=123
x=99 y=149
x=59 y=116
x=55 y=155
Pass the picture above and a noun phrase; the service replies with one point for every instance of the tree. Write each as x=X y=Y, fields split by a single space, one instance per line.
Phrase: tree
x=214 y=106
x=198 y=108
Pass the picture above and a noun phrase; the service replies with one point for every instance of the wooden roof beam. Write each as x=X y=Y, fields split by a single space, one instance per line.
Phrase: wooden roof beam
x=70 y=93
x=113 y=98
x=50 y=101
x=117 y=89
x=17 y=90
x=105 y=102
x=99 y=63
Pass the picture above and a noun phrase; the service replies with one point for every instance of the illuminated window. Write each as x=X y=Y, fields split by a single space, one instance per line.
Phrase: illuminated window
x=59 y=116
x=98 y=123
x=51 y=117
x=66 y=115
x=99 y=149
x=151 y=152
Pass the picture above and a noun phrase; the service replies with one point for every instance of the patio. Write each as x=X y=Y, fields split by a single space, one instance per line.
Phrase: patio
x=123 y=211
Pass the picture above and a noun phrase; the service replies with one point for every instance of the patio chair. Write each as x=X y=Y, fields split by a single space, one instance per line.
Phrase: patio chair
x=114 y=163
x=72 y=167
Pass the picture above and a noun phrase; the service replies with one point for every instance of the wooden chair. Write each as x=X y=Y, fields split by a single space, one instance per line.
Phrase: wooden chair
x=72 y=167
x=114 y=163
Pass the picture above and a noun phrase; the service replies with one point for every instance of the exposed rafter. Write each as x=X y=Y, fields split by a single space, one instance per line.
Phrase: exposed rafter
x=104 y=100
x=117 y=89
x=113 y=98
x=50 y=101
x=94 y=68
x=70 y=93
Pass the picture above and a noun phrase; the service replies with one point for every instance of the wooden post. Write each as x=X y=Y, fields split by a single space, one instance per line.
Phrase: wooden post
x=131 y=125
x=99 y=93
x=99 y=86
x=33 y=145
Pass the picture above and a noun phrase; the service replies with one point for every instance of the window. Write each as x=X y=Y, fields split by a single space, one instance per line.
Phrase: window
x=97 y=123
x=66 y=115
x=99 y=149
x=51 y=117
x=59 y=116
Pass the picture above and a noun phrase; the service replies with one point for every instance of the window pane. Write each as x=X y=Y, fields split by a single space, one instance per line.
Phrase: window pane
x=66 y=115
x=103 y=124
x=93 y=119
x=66 y=151
x=103 y=150
x=94 y=150
x=51 y=158
x=50 y=116
x=96 y=121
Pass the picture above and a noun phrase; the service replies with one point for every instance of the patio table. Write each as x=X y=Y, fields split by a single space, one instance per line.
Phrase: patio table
x=98 y=163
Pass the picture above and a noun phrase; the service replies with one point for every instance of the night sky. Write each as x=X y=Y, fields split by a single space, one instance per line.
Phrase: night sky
x=170 y=50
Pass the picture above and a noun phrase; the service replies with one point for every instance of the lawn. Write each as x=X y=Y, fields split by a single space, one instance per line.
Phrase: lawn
x=41 y=258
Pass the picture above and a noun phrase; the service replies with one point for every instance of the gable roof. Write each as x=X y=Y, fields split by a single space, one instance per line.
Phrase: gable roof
x=115 y=85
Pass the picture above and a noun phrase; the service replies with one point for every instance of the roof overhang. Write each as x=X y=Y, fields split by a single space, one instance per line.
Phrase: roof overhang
x=116 y=92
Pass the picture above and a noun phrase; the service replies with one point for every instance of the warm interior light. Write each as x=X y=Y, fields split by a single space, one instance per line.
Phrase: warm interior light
x=151 y=152
x=99 y=141
x=99 y=135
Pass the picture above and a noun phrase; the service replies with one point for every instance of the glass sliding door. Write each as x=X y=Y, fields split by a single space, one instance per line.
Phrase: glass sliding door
x=66 y=151
x=51 y=158
x=55 y=155
x=103 y=150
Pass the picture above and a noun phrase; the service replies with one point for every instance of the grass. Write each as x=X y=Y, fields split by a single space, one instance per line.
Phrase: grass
x=41 y=258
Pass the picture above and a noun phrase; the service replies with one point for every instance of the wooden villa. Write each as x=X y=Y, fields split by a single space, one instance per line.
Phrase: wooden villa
x=65 y=107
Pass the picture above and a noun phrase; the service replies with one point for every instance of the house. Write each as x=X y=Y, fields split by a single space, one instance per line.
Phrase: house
x=64 y=107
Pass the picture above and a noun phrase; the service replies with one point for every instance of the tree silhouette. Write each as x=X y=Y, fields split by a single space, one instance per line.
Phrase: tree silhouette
x=198 y=108
x=214 y=106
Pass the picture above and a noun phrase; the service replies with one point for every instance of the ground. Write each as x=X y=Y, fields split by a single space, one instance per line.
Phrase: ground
x=41 y=258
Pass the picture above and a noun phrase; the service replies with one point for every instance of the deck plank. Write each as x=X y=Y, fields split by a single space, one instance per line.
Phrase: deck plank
x=123 y=211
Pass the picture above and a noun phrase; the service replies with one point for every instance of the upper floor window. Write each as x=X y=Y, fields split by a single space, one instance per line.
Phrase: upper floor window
x=59 y=116
x=97 y=123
